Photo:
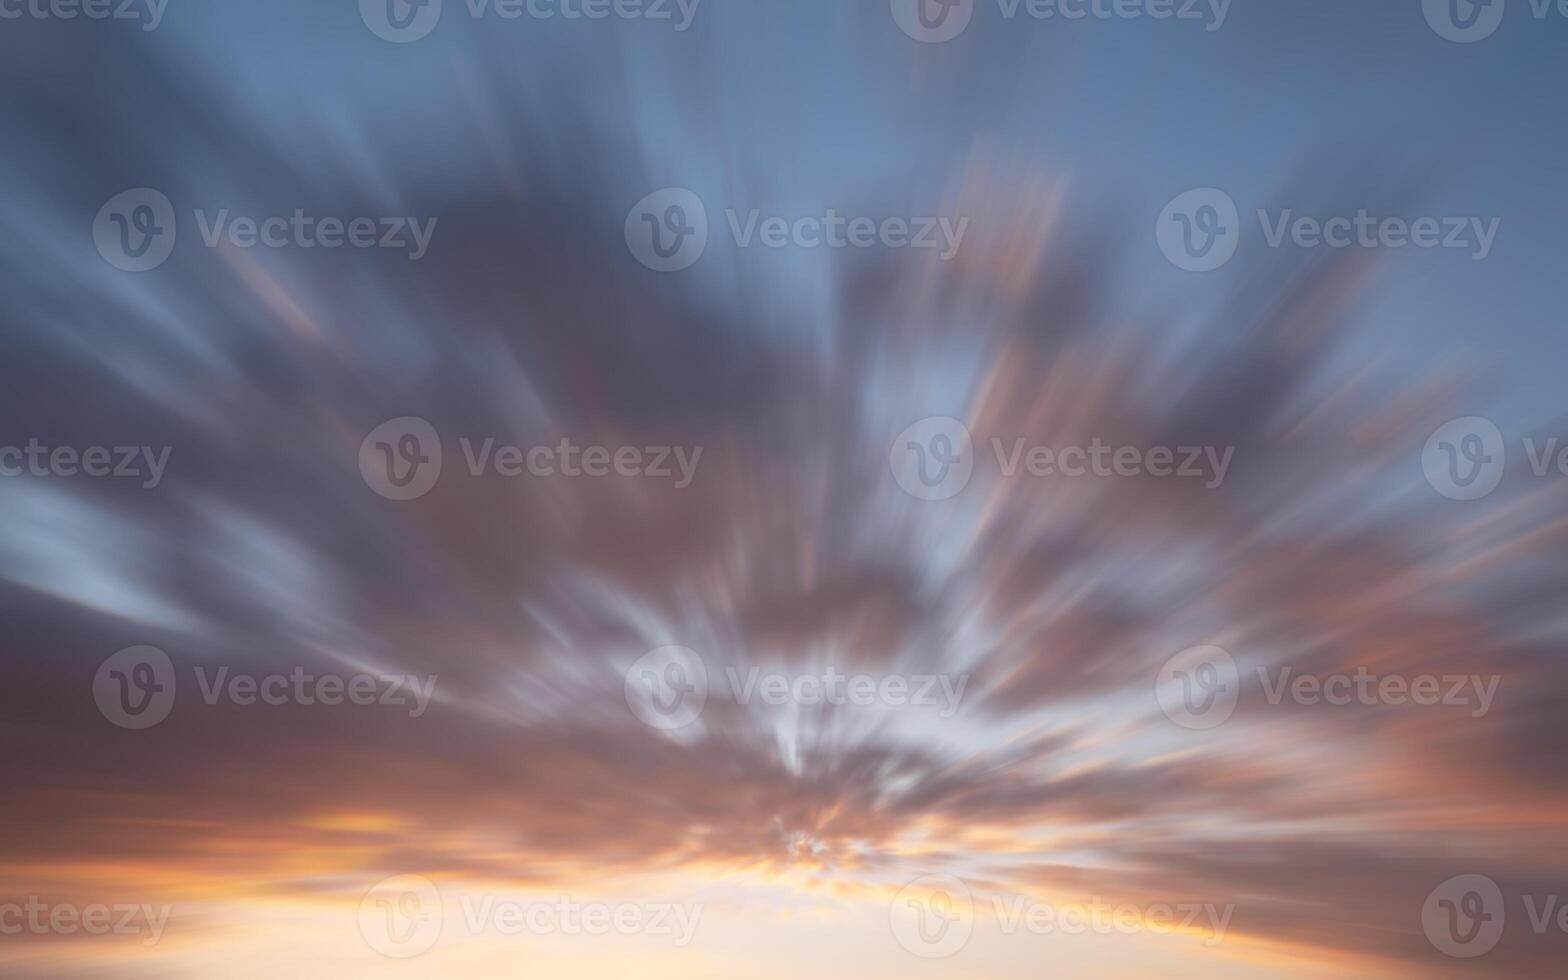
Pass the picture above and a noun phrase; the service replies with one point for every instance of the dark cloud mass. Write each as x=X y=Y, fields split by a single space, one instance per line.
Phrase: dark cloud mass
x=793 y=548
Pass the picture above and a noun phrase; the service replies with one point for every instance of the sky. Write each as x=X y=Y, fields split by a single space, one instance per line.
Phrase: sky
x=589 y=559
